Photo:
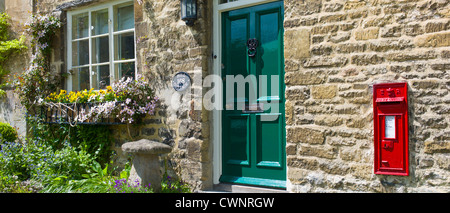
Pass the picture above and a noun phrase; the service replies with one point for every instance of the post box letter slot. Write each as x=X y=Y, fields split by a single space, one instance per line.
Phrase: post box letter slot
x=396 y=99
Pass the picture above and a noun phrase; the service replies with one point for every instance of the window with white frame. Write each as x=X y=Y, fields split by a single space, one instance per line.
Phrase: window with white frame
x=101 y=45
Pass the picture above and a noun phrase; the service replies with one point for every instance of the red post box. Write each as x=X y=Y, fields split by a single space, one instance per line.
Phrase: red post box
x=390 y=117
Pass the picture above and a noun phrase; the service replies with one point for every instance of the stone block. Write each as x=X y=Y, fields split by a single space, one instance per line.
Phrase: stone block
x=304 y=7
x=353 y=94
x=425 y=84
x=350 y=5
x=290 y=65
x=328 y=120
x=335 y=168
x=302 y=21
x=437 y=147
x=322 y=50
x=445 y=54
x=343 y=109
x=441 y=39
x=289 y=112
x=332 y=7
x=350 y=154
x=350 y=47
x=413 y=29
x=386 y=45
x=291 y=149
x=367 y=33
x=366 y=59
x=332 y=18
x=303 y=163
x=348 y=26
x=325 y=62
x=409 y=56
x=432 y=27
x=435 y=122
x=297 y=93
x=305 y=77
x=297 y=44
x=321 y=152
x=362 y=171
x=340 y=37
x=324 y=29
x=377 y=22
x=358 y=14
x=304 y=135
x=391 y=31
x=358 y=122
x=324 y=92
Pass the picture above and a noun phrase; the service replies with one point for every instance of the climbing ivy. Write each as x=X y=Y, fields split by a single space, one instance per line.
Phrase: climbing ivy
x=7 y=47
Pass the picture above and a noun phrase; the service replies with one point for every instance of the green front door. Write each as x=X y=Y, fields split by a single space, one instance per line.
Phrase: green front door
x=253 y=121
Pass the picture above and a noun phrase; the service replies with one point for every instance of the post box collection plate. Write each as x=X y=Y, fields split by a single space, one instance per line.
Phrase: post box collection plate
x=390 y=111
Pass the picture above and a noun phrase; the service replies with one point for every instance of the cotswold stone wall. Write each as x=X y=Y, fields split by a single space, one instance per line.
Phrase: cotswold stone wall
x=335 y=51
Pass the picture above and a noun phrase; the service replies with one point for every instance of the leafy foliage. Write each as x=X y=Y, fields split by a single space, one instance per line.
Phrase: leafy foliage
x=95 y=139
x=7 y=133
x=7 y=47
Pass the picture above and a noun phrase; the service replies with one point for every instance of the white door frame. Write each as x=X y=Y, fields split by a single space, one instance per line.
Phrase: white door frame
x=216 y=128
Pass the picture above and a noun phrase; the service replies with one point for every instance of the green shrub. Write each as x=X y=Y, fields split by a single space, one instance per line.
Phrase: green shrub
x=7 y=133
x=38 y=161
x=174 y=185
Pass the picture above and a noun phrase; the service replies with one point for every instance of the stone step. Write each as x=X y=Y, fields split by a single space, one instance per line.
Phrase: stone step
x=235 y=188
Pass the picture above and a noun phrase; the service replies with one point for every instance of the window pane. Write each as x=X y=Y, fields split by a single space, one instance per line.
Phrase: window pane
x=124 y=18
x=100 y=49
x=100 y=22
x=80 y=79
x=80 y=52
x=100 y=77
x=124 y=70
x=124 y=46
x=80 y=25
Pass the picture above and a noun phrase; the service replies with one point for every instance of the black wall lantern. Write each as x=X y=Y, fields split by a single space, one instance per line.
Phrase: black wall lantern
x=189 y=11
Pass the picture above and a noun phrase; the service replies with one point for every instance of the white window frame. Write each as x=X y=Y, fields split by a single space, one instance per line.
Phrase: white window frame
x=112 y=62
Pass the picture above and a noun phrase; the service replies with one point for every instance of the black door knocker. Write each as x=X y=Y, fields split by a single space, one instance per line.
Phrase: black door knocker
x=252 y=43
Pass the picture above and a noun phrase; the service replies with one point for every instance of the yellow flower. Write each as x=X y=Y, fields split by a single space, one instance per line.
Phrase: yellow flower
x=109 y=88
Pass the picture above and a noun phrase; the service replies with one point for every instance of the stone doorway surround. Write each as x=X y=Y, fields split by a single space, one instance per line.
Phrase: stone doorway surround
x=216 y=130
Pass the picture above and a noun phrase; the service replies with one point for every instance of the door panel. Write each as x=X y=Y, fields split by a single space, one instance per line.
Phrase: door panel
x=253 y=141
x=239 y=140
x=269 y=141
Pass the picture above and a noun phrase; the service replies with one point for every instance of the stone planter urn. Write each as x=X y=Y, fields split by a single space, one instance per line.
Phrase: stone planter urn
x=146 y=167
